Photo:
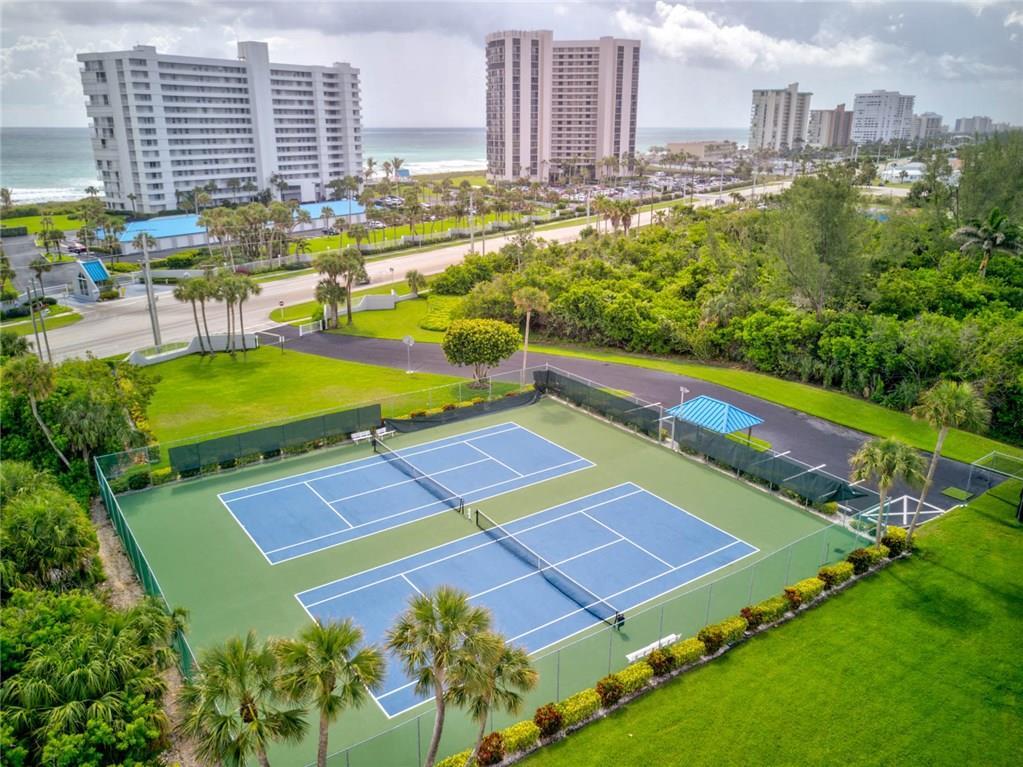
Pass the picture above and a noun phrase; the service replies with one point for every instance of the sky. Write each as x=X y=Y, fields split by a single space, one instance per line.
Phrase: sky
x=422 y=63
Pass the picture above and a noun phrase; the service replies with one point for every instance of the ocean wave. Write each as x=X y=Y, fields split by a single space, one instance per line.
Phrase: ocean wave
x=28 y=195
x=445 y=166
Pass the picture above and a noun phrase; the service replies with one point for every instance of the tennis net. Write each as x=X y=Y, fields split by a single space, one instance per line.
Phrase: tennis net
x=571 y=588
x=438 y=490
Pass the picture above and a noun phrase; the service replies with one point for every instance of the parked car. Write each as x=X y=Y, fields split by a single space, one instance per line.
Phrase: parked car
x=77 y=248
x=330 y=230
x=373 y=224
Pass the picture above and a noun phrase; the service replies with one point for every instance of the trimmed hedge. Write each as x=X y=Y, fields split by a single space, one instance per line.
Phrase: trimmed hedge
x=835 y=574
x=579 y=707
x=895 y=539
x=635 y=677
x=520 y=737
x=610 y=689
x=456 y=760
x=687 y=651
x=767 y=611
x=804 y=591
x=866 y=558
x=661 y=661
x=548 y=719
x=491 y=749
x=717 y=635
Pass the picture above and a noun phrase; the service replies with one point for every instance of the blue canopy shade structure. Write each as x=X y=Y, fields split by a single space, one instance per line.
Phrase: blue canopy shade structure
x=715 y=415
x=96 y=271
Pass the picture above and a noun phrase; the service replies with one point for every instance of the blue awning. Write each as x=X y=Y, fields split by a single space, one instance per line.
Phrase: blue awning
x=715 y=415
x=96 y=271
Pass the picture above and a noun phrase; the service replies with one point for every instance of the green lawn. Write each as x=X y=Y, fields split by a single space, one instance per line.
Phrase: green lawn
x=59 y=317
x=918 y=665
x=304 y=311
x=198 y=395
x=34 y=223
x=403 y=321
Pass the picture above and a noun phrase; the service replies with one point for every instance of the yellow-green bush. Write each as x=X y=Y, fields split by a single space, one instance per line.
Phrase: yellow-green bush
x=159 y=476
x=579 y=707
x=767 y=611
x=635 y=677
x=687 y=651
x=520 y=737
x=833 y=575
x=866 y=558
x=717 y=635
x=804 y=591
x=895 y=539
x=457 y=760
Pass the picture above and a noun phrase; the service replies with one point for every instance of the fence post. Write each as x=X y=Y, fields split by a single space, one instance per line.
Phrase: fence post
x=710 y=597
x=660 y=627
x=557 y=676
x=419 y=740
x=610 y=645
x=788 y=566
x=752 y=577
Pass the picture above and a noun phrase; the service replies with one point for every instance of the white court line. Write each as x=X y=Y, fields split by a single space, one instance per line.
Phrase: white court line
x=366 y=463
x=403 y=482
x=245 y=530
x=410 y=583
x=339 y=514
x=489 y=542
x=641 y=548
x=419 y=508
x=481 y=451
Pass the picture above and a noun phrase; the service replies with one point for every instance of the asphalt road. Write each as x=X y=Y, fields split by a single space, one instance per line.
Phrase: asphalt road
x=114 y=327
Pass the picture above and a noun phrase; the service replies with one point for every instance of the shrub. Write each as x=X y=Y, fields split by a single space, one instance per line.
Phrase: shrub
x=661 y=661
x=160 y=476
x=895 y=539
x=14 y=313
x=636 y=676
x=804 y=591
x=417 y=414
x=491 y=749
x=767 y=611
x=109 y=294
x=548 y=720
x=179 y=261
x=687 y=651
x=865 y=558
x=448 y=407
x=717 y=635
x=456 y=760
x=610 y=689
x=579 y=707
x=520 y=737
x=833 y=575
x=139 y=480
x=123 y=268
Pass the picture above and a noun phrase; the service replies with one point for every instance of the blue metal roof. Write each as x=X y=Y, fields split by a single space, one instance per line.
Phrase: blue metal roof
x=716 y=415
x=95 y=269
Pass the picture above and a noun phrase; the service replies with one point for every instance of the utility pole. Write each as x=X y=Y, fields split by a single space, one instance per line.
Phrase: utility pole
x=472 y=219
x=151 y=299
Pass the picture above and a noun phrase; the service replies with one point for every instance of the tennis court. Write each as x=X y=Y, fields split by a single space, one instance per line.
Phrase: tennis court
x=304 y=513
x=545 y=577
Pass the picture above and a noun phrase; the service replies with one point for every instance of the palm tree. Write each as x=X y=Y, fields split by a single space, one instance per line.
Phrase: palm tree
x=350 y=184
x=329 y=666
x=371 y=169
x=353 y=267
x=233 y=185
x=995 y=234
x=40 y=266
x=360 y=234
x=528 y=300
x=92 y=191
x=886 y=460
x=201 y=199
x=416 y=281
x=28 y=377
x=947 y=405
x=387 y=169
x=626 y=210
x=327 y=214
x=205 y=290
x=233 y=708
x=246 y=287
x=190 y=290
x=495 y=678
x=132 y=197
x=278 y=182
x=396 y=163
x=431 y=639
x=329 y=290
x=5 y=199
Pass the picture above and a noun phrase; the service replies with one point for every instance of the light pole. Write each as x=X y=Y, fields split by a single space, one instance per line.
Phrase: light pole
x=409 y=341
x=472 y=231
x=153 y=319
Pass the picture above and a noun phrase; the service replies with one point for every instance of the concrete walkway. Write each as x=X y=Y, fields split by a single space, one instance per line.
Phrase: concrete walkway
x=807 y=438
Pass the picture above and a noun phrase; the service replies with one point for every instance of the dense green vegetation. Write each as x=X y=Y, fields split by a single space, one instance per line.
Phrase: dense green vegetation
x=936 y=637
x=811 y=289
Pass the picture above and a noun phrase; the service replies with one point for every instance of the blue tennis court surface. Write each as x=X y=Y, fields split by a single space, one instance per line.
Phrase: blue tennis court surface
x=624 y=545
x=297 y=515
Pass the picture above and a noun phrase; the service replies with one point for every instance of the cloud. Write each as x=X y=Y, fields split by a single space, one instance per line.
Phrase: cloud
x=702 y=37
x=1014 y=18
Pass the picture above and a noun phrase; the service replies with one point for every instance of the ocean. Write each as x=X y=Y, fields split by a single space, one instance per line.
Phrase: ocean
x=39 y=164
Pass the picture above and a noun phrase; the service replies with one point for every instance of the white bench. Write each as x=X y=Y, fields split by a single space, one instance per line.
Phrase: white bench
x=359 y=436
x=384 y=432
x=642 y=652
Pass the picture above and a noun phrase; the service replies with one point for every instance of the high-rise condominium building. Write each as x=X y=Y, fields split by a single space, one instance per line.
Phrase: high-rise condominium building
x=558 y=109
x=882 y=116
x=163 y=125
x=778 y=119
x=829 y=127
x=926 y=126
x=975 y=124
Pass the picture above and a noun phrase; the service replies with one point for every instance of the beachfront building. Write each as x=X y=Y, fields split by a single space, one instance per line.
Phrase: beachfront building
x=557 y=109
x=778 y=119
x=704 y=150
x=164 y=125
x=881 y=116
x=976 y=124
x=927 y=126
x=829 y=127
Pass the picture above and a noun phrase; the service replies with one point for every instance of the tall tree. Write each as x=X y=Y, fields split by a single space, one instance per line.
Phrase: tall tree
x=947 y=405
x=191 y=290
x=5 y=199
x=247 y=286
x=28 y=377
x=438 y=632
x=330 y=290
x=353 y=268
x=529 y=299
x=886 y=461
x=494 y=678
x=995 y=234
x=233 y=708
x=39 y=267
x=415 y=280
x=330 y=667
